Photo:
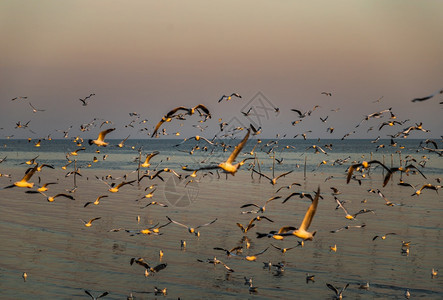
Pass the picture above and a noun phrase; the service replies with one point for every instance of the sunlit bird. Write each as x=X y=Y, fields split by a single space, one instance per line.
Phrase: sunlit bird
x=97 y=201
x=191 y=229
x=100 y=141
x=89 y=223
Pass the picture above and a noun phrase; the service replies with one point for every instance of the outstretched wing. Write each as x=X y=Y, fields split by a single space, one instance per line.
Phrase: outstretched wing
x=238 y=148
x=311 y=212
x=103 y=134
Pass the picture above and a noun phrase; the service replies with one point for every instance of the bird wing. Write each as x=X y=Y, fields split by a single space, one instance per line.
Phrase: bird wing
x=297 y=111
x=92 y=220
x=272 y=198
x=344 y=288
x=124 y=183
x=249 y=204
x=87 y=292
x=159 y=267
x=102 y=295
x=311 y=212
x=414 y=167
x=178 y=223
x=263 y=217
x=330 y=286
x=203 y=108
x=102 y=135
x=241 y=227
x=213 y=221
x=29 y=173
x=380 y=163
x=350 y=171
x=278 y=248
x=262 y=174
x=387 y=178
x=290 y=196
x=238 y=148
x=341 y=205
x=261 y=252
x=158 y=126
x=64 y=195
x=284 y=174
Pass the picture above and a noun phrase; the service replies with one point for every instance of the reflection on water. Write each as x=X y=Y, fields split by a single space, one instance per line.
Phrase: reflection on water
x=62 y=257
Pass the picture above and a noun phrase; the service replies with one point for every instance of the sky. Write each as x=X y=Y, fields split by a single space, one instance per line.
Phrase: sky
x=151 y=56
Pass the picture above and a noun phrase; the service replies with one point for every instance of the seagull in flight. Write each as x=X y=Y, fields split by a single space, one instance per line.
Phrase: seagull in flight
x=100 y=141
x=229 y=97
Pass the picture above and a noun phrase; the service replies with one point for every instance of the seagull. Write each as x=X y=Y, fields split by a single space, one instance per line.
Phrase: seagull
x=31 y=161
x=154 y=203
x=146 y=163
x=94 y=298
x=84 y=103
x=426 y=186
x=427 y=97
x=51 y=198
x=100 y=141
x=44 y=187
x=273 y=181
x=326 y=93
x=365 y=165
x=338 y=294
x=34 y=110
x=122 y=143
x=191 y=230
x=97 y=201
x=140 y=261
x=405 y=169
x=383 y=237
x=348 y=216
x=227 y=165
x=216 y=261
x=347 y=227
x=18 y=98
x=158 y=291
x=260 y=209
x=89 y=223
x=190 y=111
x=230 y=252
x=114 y=188
x=251 y=223
x=24 y=181
x=307 y=220
x=288 y=186
x=254 y=256
x=283 y=250
x=388 y=203
x=277 y=235
x=229 y=97
x=310 y=278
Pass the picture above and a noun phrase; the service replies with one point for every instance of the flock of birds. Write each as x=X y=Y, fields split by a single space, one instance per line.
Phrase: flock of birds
x=356 y=172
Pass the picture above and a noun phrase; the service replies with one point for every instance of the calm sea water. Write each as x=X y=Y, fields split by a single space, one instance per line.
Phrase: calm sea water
x=62 y=257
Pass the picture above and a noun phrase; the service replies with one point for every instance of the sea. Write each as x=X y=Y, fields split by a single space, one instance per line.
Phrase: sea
x=62 y=257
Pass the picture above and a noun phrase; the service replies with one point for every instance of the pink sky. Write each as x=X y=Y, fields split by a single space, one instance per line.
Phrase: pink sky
x=150 y=56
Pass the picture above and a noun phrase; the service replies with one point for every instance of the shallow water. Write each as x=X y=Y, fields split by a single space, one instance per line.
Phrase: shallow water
x=48 y=241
